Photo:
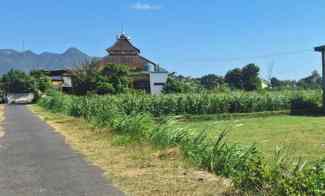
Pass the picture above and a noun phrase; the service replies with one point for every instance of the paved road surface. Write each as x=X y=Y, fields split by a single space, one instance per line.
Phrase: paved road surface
x=35 y=161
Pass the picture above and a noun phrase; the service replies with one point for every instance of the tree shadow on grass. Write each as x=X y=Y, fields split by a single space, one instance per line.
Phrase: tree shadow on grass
x=312 y=112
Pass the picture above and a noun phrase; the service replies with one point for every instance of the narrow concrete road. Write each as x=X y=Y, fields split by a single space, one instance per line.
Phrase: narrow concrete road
x=35 y=161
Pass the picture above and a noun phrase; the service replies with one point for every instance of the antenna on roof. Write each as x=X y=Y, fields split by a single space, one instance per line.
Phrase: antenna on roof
x=121 y=33
x=270 y=70
x=122 y=29
x=23 y=45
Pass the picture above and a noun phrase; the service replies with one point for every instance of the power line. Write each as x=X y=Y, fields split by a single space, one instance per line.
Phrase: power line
x=263 y=56
x=266 y=55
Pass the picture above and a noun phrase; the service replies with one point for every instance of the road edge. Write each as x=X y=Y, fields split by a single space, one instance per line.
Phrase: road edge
x=2 y=119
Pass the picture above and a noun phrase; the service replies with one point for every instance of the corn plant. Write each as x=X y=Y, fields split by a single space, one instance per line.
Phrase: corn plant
x=131 y=115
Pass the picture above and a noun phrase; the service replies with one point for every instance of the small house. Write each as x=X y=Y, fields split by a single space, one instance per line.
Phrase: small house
x=61 y=78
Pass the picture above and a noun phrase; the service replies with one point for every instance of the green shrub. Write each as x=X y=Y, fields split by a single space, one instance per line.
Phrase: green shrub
x=301 y=105
x=137 y=125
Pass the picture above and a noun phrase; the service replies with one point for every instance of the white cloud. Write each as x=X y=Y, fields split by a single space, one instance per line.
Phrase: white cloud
x=145 y=7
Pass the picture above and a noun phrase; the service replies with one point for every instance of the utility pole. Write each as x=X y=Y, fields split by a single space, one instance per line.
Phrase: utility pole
x=270 y=71
x=321 y=49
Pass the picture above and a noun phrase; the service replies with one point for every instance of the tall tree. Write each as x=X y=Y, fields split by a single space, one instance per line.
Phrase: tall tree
x=42 y=80
x=117 y=75
x=181 y=84
x=84 y=78
x=275 y=82
x=250 y=78
x=234 y=78
x=91 y=78
x=283 y=84
x=211 y=81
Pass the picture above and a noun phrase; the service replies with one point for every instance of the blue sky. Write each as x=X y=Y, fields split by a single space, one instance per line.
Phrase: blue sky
x=188 y=37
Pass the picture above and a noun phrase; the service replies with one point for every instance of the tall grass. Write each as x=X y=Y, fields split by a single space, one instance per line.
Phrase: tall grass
x=132 y=115
x=205 y=103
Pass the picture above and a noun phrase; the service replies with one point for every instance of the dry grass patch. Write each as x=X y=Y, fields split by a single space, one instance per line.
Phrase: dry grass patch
x=137 y=169
x=2 y=117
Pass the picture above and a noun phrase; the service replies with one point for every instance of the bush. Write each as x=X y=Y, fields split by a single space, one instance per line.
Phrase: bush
x=300 y=105
x=180 y=84
x=137 y=125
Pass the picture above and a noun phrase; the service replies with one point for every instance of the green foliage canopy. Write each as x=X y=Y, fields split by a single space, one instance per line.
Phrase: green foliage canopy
x=180 y=84
x=89 y=78
x=42 y=80
x=250 y=79
x=246 y=78
x=212 y=81
x=16 y=81
x=234 y=78
x=313 y=81
x=117 y=76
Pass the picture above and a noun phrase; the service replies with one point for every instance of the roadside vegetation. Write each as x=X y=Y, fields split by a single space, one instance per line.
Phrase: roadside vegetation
x=249 y=170
x=137 y=168
x=105 y=99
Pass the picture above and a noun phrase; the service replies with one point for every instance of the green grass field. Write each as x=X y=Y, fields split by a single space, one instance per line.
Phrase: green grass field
x=300 y=136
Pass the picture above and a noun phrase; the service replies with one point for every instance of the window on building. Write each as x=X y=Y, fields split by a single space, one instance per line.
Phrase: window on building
x=159 y=84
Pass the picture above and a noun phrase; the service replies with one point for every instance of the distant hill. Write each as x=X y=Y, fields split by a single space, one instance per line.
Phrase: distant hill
x=28 y=60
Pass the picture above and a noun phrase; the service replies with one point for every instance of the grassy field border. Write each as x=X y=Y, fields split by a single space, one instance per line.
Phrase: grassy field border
x=231 y=116
x=137 y=168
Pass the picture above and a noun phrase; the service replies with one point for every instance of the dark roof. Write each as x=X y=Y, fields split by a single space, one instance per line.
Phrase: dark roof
x=58 y=72
x=133 y=61
x=147 y=61
x=123 y=52
x=123 y=46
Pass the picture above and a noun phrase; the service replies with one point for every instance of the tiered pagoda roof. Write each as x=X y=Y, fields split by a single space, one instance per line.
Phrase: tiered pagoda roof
x=123 y=52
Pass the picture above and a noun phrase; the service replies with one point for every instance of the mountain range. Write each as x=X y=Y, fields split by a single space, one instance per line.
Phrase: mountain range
x=28 y=60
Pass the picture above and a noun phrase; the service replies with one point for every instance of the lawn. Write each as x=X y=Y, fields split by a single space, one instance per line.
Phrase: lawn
x=300 y=136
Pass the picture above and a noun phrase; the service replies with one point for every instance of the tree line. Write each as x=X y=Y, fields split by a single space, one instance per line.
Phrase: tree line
x=246 y=78
x=87 y=79
x=115 y=79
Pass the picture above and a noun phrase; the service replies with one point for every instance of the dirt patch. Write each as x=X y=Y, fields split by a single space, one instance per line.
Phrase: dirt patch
x=137 y=169
x=171 y=154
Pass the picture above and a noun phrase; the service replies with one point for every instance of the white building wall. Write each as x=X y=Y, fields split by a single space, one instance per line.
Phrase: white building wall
x=67 y=81
x=157 y=82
